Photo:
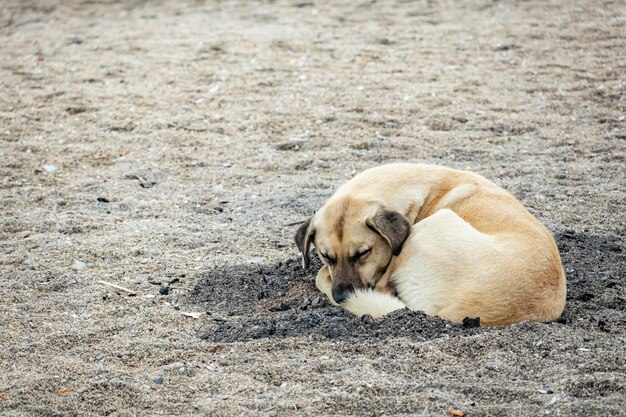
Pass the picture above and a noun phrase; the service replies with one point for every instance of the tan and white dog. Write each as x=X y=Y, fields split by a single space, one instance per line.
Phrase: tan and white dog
x=446 y=242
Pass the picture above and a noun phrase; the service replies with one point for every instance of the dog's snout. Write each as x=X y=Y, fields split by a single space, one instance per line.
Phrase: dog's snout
x=341 y=292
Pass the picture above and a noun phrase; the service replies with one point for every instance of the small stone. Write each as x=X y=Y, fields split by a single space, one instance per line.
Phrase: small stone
x=103 y=200
x=317 y=301
x=79 y=264
x=223 y=396
x=501 y=48
x=173 y=365
x=27 y=262
x=147 y=184
x=469 y=323
x=50 y=168
x=367 y=319
x=281 y=307
x=384 y=41
x=100 y=356
x=76 y=110
x=278 y=244
x=159 y=380
x=164 y=290
x=305 y=305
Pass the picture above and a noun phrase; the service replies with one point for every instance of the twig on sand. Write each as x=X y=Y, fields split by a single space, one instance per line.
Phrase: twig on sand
x=118 y=287
x=294 y=223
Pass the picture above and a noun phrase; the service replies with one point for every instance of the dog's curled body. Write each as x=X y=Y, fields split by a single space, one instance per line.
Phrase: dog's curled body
x=467 y=248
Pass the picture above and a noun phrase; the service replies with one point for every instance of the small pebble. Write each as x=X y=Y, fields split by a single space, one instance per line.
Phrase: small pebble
x=79 y=264
x=50 y=168
x=147 y=184
x=173 y=365
x=159 y=380
x=100 y=356
x=164 y=290
x=384 y=41
x=103 y=200
x=282 y=307
x=470 y=323
x=305 y=305
x=317 y=301
x=27 y=262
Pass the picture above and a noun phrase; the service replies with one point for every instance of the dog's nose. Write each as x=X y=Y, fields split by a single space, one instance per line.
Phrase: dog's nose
x=341 y=292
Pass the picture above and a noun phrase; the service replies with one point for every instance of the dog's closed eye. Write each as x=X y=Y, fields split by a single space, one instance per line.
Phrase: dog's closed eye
x=329 y=259
x=360 y=255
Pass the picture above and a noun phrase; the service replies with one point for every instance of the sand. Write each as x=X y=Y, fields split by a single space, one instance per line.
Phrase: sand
x=167 y=147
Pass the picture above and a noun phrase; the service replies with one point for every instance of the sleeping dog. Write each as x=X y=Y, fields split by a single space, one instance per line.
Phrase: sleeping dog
x=446 y=242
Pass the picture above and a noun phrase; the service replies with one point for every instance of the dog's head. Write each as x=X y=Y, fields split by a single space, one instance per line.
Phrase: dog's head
x=355 y=239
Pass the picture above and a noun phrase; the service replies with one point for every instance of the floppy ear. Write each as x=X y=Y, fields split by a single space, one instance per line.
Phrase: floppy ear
x=392 y=226
x=304 y=237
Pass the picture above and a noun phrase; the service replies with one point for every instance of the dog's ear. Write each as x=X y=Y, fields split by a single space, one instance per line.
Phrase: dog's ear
x=392 y=226
x=304 y=237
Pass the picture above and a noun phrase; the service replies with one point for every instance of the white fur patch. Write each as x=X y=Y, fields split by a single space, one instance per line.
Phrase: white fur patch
x=376 y=304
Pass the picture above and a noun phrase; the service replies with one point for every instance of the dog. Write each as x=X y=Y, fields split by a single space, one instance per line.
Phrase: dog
x=446 y=242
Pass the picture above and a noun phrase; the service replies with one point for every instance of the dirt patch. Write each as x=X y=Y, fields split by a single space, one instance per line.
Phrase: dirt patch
x=595 y=269
x=251 y=302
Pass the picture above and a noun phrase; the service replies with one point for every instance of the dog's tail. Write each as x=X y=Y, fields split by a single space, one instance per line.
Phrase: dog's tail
x=376 y=304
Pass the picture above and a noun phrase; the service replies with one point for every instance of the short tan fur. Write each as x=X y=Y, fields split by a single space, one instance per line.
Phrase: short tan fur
x=446 y=242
